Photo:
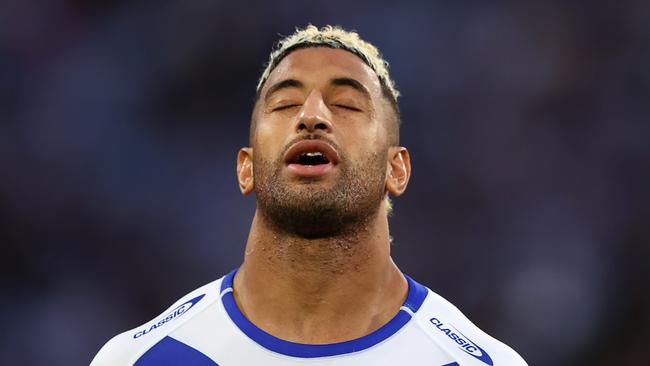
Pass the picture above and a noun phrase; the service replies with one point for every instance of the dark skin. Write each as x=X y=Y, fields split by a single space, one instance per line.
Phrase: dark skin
x=323 y=289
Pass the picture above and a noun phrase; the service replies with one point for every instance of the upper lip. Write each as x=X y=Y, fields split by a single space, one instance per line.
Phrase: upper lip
x=305 y=146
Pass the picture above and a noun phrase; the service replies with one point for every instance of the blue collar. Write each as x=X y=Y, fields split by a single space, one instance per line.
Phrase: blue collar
x=416 y=295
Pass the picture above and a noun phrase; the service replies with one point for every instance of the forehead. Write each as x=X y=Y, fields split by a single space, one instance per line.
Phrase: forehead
x=316 y=64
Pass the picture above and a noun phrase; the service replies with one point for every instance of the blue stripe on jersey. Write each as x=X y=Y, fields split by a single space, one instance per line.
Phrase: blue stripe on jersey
x=416 y=295
x=452 y=364
x=170 y=352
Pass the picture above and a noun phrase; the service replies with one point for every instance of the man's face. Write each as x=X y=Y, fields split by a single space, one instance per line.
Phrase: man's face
x=320 y=143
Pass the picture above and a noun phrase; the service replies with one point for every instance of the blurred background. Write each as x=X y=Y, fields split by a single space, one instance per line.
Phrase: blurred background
x=528 y=125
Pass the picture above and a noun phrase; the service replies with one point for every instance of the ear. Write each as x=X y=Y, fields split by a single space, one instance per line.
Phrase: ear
x=399 y=170
x=245 y=170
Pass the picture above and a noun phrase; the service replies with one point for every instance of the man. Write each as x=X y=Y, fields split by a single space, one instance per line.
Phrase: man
x=317 y=285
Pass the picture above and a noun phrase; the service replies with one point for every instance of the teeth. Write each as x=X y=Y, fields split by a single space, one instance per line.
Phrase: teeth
x=312 y=158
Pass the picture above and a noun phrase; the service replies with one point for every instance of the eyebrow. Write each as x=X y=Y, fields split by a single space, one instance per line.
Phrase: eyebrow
x=293 y=83
x=284 y=84
x=351 y=83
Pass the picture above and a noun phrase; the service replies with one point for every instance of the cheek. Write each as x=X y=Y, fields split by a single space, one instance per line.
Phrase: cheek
x=268 y=139
x=364 y=140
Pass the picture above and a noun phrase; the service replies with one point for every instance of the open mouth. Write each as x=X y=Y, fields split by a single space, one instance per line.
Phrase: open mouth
x=311 y=152
x=311 y=158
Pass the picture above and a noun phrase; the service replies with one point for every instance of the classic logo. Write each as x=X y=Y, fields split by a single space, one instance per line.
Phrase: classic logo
x=178 y=311
x=463 y=342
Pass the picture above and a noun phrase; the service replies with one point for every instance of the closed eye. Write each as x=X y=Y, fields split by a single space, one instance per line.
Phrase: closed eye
x=283 y=107
x=351 y=108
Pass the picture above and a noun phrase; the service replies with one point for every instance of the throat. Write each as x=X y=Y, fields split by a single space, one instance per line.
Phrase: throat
x=321 y=290
x=319 y=306
x=313 y=261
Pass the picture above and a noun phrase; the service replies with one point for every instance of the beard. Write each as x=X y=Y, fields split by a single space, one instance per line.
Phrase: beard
x=311 y=208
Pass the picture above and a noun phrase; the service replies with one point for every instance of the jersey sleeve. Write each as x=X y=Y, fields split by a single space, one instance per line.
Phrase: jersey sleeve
x=452 y=331
x=126 y=348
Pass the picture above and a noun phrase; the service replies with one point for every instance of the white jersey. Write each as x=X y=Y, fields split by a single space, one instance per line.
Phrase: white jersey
x=206 y=328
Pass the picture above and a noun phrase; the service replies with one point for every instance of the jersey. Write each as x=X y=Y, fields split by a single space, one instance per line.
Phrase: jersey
x=206 y=328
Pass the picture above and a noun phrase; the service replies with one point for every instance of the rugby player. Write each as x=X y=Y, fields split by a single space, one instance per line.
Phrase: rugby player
x=317 y=285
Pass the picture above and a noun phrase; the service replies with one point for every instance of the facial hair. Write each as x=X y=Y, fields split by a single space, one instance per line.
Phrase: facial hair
x=310 y=208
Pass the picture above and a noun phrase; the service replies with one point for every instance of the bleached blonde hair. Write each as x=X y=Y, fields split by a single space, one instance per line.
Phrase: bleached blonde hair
x=333 y=37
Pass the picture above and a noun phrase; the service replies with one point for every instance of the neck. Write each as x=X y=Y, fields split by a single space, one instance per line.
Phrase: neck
x=322 y=290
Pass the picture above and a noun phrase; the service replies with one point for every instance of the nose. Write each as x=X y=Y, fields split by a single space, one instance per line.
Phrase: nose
x=314 y=114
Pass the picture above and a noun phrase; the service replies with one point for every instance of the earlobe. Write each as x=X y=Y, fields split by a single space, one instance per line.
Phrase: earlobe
x=245 y=170
x=399 y=170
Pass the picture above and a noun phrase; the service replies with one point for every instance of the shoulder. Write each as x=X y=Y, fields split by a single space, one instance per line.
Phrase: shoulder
x=127 y=347
x=453 y=332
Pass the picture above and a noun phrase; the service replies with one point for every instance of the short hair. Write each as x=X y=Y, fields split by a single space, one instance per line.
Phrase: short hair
x=339 y=38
